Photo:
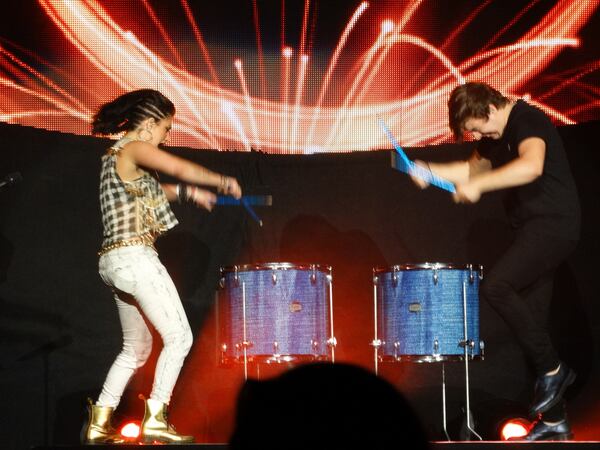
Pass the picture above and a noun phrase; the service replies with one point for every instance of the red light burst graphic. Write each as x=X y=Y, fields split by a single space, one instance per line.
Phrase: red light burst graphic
x=294 y=100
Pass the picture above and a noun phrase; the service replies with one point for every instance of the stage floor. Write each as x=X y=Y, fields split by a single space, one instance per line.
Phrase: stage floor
x=463 y=445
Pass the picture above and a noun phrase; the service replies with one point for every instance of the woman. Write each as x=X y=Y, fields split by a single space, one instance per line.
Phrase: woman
x=135 y=211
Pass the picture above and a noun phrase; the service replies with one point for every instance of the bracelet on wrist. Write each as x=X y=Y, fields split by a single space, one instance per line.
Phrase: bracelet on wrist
x=182 y=191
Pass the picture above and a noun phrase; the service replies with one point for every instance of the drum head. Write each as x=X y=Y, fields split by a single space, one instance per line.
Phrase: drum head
x=276 y=266
x=427 y=266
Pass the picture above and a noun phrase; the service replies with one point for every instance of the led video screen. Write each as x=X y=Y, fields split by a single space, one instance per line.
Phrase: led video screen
x=295 y=76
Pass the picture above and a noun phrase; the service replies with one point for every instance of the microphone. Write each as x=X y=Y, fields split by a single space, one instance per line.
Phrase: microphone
x=10 y=180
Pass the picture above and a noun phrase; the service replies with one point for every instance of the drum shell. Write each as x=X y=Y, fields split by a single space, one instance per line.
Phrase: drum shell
x=420 y=313
x=285 y=313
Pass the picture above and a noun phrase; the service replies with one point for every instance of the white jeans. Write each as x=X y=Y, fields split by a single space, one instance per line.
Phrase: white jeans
x=143 y=288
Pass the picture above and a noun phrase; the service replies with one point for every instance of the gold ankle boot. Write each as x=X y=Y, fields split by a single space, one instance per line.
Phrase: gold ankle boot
x=156 y=428
x=98 y=429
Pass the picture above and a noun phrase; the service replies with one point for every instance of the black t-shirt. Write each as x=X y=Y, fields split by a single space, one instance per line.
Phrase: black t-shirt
x=549 y=205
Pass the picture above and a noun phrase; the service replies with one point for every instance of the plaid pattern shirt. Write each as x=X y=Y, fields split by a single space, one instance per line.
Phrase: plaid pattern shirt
x=131 y=209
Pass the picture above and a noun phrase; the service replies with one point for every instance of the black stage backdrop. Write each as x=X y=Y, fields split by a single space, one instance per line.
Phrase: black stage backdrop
x=59 y=324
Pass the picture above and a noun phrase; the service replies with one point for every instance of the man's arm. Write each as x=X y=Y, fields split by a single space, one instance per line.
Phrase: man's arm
x=457 y=172
x=478 y=165
x=524 y=169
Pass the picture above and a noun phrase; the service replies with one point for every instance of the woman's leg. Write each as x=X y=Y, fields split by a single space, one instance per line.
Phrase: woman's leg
x=160 y=303
x=137 y=345
x=138 y=273
x=137 y=339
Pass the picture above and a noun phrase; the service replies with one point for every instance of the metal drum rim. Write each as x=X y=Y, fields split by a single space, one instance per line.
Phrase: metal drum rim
x=429 y=358
x=277 y=359
x=426 y=266
x=275 y=266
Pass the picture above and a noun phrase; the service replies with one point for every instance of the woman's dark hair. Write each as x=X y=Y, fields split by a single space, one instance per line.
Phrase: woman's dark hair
x=127 y=111
x=472 y=101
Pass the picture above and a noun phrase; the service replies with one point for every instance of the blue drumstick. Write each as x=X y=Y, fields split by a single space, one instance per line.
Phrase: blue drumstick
x=407 y=166
x=259 y=200
x=246 y=201
x=251 y=212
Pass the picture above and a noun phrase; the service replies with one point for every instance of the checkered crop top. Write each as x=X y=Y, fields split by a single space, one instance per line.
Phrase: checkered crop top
x=131 y=210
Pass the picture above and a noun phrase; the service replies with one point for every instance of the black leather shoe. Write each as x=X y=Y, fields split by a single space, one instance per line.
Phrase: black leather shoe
x=549 y=390
x=544 y=432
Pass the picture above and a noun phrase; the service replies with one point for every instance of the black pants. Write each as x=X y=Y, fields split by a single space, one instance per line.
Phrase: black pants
x=519 y=289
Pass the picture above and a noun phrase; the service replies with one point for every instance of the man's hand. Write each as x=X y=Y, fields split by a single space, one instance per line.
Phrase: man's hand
x=467 y=193
x=420 y=182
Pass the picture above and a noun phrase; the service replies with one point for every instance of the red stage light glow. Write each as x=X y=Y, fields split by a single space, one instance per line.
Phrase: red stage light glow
x=130 y=430
x=514 y=428
x=310 y=105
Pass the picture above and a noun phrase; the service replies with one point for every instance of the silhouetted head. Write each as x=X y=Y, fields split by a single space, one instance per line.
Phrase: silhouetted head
x=325 y=405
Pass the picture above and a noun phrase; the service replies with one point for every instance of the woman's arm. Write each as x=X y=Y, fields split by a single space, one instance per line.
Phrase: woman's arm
x=170 y=191
x=149 y=156
x=187 y=193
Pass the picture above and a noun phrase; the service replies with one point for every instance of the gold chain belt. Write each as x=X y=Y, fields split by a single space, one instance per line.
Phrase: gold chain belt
x=145 y=239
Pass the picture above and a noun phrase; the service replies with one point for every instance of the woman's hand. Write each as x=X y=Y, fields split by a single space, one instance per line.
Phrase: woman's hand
x=201 y=197
x=230 y=186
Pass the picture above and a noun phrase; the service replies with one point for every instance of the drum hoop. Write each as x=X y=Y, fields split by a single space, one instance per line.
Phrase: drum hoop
x=427 y=266
x=429 y=358
x=270 y=359
x=276 y=266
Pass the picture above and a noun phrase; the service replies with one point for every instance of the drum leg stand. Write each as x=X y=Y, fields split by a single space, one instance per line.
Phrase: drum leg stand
x=466 y=344
x=245 y=342
x=444 y=402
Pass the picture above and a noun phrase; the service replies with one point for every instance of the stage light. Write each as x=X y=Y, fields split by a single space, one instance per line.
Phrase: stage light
x=131 y=430
x=352 y=92
x=514 y=428
x=387 y=26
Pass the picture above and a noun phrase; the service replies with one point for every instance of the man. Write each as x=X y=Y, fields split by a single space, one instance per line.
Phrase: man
x=521 y=151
